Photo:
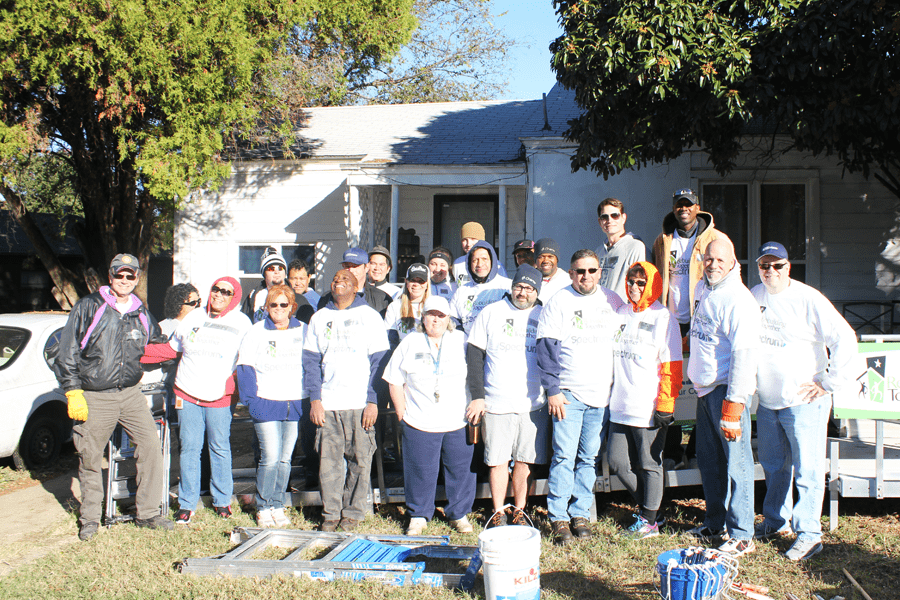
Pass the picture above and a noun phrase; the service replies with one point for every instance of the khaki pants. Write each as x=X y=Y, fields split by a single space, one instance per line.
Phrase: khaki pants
x=105 y=411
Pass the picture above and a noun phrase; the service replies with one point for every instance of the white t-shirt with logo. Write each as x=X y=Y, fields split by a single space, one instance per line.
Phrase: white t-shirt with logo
x=209 y=350
x=584 y=326
x=512 y=382
x=345 y=339
x=680 y=275
x=277 y=357
x=470 y=299
x=392 y=318
x=413 y=365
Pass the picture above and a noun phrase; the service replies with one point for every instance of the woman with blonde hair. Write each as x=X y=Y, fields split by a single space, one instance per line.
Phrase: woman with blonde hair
x=405 y=312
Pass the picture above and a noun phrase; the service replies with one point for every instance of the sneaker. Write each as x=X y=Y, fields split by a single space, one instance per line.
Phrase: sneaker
x=347 y=524
x=705 y=533
x=497 y=520
x=562 y=535
x=735 y=547
x=183 y=516
x=580 y=527
x=157 y=522
x=329 y=526
x=764 y=531
x=416 y=526
x=641 y=529
x=803 y=550
x=281 y=519
x=264 y=518
x=88 y=530
x=222 y=511
x=519 y=517
x=462 y=525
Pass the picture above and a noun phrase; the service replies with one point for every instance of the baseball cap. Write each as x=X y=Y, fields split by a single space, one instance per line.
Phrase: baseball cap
x=772 y=249
x=356 y=256
x=124 y=261
x=418 y=270
x=438 y=303
x=685 y=194
x=523 y=245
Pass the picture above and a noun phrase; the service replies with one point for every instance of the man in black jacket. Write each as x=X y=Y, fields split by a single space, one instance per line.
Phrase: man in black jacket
x=99 y=369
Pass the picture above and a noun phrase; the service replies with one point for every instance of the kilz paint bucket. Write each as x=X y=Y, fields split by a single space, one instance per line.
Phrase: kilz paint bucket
x=512 y=562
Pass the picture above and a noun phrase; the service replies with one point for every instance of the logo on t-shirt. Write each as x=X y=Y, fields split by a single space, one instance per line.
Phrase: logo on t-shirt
x=577 y=320
x=328 y=330
x=762 y=309
x=508 y=328
x=470 y=301
x=192 y=336
x=673 y=258
x=272 y=352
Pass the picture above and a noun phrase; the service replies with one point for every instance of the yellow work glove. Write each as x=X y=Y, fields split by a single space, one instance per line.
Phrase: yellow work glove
x=78 y=410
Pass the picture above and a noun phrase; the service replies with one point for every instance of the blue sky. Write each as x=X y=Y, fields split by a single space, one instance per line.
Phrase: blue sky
x=533 y=24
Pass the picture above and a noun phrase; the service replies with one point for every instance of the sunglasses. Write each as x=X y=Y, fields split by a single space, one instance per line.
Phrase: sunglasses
x=613 y=216
x=278 y=304
x=777 y=267
x=194 y=303
x=218 y=290
x=273 y=268
x=581 y=272
x=640 y=284
x=124 y=276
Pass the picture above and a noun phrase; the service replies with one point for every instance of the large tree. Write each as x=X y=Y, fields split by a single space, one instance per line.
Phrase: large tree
x=655 y=78
x=143 y=98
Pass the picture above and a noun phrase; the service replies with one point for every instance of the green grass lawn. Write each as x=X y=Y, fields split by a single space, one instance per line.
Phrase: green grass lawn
x=126 y=562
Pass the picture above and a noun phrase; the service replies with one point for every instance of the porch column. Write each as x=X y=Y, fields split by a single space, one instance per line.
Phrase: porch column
x=354 y=215
x=501 y=214
x=395 y=227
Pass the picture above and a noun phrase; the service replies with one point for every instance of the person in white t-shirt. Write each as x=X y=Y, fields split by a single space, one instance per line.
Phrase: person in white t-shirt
x=622 y=248
x=647 y=380
x=546 y=260
x=506 y=392
x=427 y=377
x=440 y=262
x=575 y=359
x=486 y=286
x=808 y=352
x=268 y=373
x=345 y=344
x=405 y=312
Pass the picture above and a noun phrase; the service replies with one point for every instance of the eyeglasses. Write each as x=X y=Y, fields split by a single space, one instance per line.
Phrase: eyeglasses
x=777 y=267
x=194 y=303
x=640 y=284
x=581 y=272
x=608 y=216
x=523 y=289
x=278 y=304
x=124 y=276
x=218 y=290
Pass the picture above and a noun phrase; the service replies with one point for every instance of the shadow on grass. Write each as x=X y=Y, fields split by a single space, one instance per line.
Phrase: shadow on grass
x=572 y=584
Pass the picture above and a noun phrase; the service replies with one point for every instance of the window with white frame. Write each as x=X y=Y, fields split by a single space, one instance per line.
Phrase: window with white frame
x=250 y=255
x=753 y=212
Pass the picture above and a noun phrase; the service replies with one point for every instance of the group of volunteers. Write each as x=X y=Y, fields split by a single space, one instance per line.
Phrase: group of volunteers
x=550 y=366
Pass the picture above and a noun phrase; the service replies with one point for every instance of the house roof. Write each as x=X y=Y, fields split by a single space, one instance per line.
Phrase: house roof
x=14 y=241
x=457 y=133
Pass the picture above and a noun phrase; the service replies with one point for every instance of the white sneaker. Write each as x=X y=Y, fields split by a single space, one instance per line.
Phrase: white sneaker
x=736 y=547
x=803 y=549
x=462 y=525
x=416 y=526
x=281 y=519
x=264 y=518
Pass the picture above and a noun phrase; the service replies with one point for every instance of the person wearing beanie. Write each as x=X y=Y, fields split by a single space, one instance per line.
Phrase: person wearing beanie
x=646 y=381
x=486 y=285
x=440 y=263
x=506 y=392
x=546 y=260
x=621 y=249
x=98 y=367
x=725 y=341
x=379 y=268
x=273 y=268
x=469 y=234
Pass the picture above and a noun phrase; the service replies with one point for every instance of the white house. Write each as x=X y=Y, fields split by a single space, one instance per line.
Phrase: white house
x=407 y=177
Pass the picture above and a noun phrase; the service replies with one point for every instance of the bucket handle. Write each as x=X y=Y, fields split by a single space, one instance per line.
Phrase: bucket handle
x=502 y=509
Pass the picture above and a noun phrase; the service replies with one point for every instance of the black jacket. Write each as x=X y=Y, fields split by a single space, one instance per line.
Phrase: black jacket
x=111 y=357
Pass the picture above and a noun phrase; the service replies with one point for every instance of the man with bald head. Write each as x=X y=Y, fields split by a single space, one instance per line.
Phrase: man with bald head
x=724 y=339
x=345 y=343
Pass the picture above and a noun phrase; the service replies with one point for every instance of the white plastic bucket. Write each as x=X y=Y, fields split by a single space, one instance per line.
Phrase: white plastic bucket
x=512 y=562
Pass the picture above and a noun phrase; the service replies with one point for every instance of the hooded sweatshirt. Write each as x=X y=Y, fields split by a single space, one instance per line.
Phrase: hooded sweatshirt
x=209 y=348
x=647 y=357
x=471 y=298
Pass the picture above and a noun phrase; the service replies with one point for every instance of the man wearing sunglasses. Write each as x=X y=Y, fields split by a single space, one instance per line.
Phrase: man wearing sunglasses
x=273 y=268
x=808 y=351
x=621 y=250
x=99 y=368
x=575 y=360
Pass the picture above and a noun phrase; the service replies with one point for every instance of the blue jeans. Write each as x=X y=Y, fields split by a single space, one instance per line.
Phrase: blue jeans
x=276 y=446
x=576 y=444
x=726 y=468
x=794 y=453
x=216 y=422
